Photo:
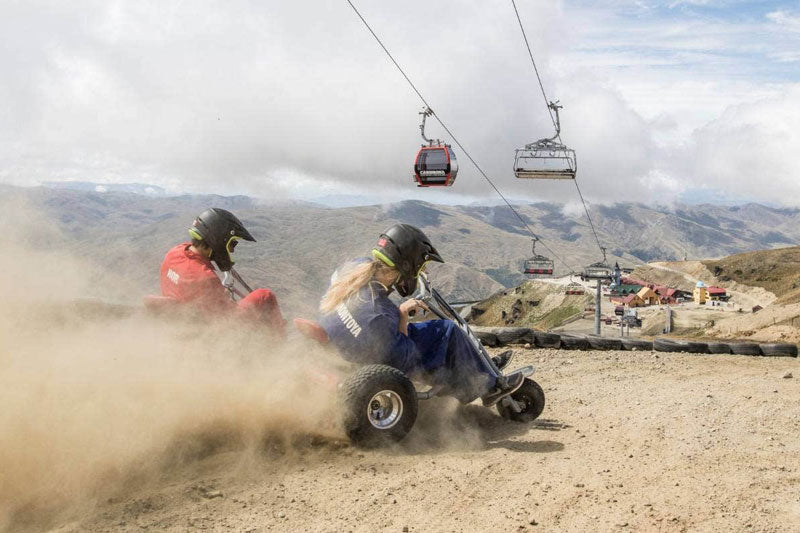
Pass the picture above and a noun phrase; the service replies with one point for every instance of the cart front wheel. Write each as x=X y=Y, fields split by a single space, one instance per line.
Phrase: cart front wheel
x=529 y=398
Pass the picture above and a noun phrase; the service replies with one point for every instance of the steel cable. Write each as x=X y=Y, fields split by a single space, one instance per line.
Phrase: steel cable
x=550 y=112
x=455 y=140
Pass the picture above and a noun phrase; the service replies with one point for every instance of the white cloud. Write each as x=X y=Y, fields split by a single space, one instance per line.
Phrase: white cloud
x=750 y=150
x=292 y=99
x=786 y=19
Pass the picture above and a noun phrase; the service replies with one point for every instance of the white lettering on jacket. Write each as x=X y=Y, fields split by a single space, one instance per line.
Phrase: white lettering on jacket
x=349 y=322
x=173 y=276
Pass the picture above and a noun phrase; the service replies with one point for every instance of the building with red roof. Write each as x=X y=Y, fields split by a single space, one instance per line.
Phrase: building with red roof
x=718 y=293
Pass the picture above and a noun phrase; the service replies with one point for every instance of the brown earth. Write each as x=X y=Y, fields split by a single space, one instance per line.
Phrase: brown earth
x=777 y=271
x=628 y=442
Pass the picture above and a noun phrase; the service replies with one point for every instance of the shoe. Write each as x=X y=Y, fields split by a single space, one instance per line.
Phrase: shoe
x=501 y=360
x=513 y=382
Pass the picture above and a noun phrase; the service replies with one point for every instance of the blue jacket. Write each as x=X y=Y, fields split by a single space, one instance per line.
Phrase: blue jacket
x=364 y=330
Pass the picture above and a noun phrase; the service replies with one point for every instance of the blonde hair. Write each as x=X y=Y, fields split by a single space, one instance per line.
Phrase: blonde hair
x=350 y=282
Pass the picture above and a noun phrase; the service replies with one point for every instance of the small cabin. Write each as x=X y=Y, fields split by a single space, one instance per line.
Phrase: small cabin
x=629 y=301
x=718 y=294
x=648 y=296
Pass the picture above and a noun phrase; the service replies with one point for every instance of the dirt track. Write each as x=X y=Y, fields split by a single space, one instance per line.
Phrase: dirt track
x=628 y=441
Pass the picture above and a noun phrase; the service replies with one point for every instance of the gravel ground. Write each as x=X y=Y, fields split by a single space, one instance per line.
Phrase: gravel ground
x=628 y=441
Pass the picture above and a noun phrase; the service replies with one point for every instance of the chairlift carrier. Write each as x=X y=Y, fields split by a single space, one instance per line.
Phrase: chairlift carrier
x=436 y=164
x=599 y=271
x=573 y=288
x=546 y=158
x=538 y=266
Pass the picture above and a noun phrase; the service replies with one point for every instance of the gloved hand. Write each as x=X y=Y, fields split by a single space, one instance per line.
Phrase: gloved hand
x=409 y=307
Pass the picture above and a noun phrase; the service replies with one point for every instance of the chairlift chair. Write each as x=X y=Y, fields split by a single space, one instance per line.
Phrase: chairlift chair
x=538 y=266
x=573 y=288
x=436 y=164
x=600 y=271
x=546 y=158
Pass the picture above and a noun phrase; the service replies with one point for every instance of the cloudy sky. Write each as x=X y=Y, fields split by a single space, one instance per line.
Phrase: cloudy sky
x=663 y=100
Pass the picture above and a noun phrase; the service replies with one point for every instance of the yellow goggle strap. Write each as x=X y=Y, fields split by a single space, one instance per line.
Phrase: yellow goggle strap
x=377 y=254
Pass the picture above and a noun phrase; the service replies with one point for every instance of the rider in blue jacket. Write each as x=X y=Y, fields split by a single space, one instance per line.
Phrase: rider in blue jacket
x=367 y=327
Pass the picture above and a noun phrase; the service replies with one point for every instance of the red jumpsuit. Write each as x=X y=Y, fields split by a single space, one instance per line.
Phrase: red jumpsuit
x=190 y=278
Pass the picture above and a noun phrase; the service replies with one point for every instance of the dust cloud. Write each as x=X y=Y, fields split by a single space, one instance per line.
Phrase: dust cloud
x=95 y=394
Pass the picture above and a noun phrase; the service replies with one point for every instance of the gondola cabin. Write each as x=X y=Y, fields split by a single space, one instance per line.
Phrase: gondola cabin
x=547 y=161
x=435 y=166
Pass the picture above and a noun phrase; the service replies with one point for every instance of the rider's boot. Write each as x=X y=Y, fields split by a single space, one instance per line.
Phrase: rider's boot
x=501 y=360
x=513 y=382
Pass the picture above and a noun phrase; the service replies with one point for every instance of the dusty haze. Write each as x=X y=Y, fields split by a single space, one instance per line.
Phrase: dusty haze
x=96 y=397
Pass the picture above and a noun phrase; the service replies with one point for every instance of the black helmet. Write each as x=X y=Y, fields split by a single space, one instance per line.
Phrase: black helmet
x=220 y=230
x=407 y=249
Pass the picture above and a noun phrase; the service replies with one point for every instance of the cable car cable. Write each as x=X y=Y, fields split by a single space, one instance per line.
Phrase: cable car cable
x=535 y=69
x=455 y=140
x=552 y=118
x=589 y=218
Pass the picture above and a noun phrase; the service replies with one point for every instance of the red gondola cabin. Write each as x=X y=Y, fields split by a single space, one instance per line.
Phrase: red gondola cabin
x=435 y=166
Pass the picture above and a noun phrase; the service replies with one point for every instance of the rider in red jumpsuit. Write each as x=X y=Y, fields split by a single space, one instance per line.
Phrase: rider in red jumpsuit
x=188 y=274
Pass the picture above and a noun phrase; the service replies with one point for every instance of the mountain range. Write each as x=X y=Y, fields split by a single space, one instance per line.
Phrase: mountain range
x=301 y=243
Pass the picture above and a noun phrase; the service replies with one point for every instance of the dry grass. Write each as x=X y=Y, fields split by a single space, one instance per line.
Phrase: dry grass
x=777 y=271
x=533 y=304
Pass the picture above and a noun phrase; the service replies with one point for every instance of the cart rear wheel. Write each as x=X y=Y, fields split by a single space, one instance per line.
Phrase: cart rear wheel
x=379 y=406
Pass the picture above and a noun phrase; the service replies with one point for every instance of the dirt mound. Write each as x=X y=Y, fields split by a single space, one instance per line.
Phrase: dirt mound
x=775 y=323
x=661 y=276
x=534 y=304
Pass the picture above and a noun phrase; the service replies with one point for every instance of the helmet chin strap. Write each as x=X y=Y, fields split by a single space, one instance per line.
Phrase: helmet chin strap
x=393 y=284
x=229 y=279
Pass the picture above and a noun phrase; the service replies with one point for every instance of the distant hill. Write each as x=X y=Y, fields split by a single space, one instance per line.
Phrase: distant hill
x=300 y=243
x=533 y=304
x=136 y=188
x=777 y=271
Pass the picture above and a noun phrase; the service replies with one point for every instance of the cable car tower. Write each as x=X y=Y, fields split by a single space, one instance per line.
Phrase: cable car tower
x=601 y=272
x=538 y=266
x=435 y=164
x=548 y=158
